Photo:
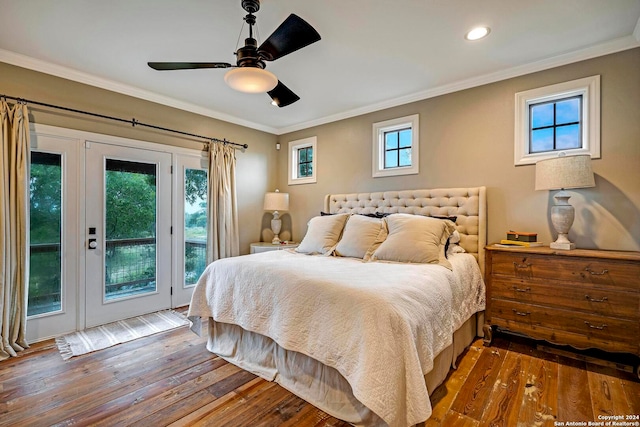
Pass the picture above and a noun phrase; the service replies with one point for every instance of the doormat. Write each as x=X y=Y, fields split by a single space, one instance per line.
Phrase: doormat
x=100 y=337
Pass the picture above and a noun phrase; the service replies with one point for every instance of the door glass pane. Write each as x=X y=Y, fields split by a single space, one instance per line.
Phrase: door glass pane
x=195 y=224
x=130 y=229
x=45 y=262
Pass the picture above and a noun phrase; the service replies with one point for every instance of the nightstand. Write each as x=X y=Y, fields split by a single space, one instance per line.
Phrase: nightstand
x=258 y=247
x=582 y=298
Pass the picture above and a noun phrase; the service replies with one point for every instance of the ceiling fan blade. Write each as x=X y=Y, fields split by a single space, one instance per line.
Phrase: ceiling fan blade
x=165 y=66
x=293 y=34
x=282 y=95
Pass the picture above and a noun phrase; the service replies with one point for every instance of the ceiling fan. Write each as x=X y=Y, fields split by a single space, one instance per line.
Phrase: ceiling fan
x=249 y=75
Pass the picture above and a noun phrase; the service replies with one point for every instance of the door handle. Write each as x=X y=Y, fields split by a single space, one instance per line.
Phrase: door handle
x=93 y=244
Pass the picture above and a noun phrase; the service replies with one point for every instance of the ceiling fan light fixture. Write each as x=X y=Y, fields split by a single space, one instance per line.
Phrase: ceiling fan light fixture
x=477 y=33
x=250 y=79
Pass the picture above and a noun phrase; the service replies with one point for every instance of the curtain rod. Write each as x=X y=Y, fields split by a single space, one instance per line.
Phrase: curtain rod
x=133 y=122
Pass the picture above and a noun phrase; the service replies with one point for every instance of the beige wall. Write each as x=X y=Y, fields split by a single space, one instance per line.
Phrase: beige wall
x=466 y=139
x=255 y=167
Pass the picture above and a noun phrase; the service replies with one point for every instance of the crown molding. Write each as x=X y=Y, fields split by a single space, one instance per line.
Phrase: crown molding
x=30 y=63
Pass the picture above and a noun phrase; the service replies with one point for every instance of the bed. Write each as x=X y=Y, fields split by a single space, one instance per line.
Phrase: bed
x=363 y=335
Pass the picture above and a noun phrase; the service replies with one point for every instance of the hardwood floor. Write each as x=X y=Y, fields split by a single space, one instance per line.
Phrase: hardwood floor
x=171 y=379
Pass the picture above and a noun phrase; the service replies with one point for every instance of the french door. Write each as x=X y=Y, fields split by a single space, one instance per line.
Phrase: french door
x=127 y=232
x=113 y=232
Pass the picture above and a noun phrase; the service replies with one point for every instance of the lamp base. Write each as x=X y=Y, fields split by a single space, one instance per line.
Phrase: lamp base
x=562 y=215
x=276 y=225
x=563 y=246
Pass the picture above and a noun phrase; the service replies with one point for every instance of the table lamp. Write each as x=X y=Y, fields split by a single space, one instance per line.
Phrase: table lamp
x=560 y=173
x=276 y=202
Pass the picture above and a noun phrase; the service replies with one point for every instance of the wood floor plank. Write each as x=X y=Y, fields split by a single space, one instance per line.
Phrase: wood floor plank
x=604 y=385
x=178 y=410
x=223 y=410
x=632 y=393
x=442 y=398
x=540 y=400
x=574 y=398
x=472 y=399
x=231 y=383
x=255 y=406
x=503 y=407
x=198 y=416
x=456 y=419
x=303 y=412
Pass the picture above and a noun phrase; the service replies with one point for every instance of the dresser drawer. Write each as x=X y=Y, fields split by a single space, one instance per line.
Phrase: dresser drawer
x=605 y=301
x=600 y=273
x=564 y=337
x=587 y=325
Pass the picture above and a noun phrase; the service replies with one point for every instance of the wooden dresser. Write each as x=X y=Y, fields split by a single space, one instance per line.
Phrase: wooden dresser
x=583 y=298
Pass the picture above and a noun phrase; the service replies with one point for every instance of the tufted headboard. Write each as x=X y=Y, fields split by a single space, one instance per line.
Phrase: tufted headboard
x=468 y=204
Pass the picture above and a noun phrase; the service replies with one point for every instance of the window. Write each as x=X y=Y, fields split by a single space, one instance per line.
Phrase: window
x=305 y=162
x=190 y=234
x=195 y=224
x=302 y=161
x=555 y=125
x=560 y=118
x=395 y=147
x=45 y=255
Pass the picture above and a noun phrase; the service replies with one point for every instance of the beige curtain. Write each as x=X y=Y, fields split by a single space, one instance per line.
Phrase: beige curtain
x=223 y=238
x=14 y=271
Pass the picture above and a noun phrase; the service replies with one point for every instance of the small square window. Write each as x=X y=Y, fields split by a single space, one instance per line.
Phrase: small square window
x=302 y=161
x=555 y=125
x=560 y=118
x=395 y=147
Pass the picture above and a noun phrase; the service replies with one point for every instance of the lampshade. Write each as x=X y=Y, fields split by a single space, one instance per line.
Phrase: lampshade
x=564 y=172
x=276 y=201
x=250 y=79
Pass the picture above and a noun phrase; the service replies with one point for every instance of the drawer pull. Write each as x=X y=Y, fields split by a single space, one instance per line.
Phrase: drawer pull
x=527 y=265
x=593 y=273
x=517 y=289
x=603 y=299
x=601 y=327
x=520 y=313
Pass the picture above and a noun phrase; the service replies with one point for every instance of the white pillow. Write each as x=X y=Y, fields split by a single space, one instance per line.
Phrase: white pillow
x=415 y=239
x=323 y=233
x=361 y=236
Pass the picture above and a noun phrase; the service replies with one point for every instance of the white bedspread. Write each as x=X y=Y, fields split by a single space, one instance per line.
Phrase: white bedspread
x=379 y=324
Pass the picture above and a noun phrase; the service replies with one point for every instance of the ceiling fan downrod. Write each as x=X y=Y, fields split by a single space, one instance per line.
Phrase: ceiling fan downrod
x=247 y=56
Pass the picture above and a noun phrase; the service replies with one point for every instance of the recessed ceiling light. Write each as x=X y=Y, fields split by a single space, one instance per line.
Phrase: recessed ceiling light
x=477 y=33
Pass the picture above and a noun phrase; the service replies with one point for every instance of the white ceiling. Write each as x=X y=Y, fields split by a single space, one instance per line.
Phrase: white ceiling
x=373 y=54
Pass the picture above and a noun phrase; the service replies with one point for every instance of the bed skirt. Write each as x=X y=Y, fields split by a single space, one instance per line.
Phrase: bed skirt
x=318 y=384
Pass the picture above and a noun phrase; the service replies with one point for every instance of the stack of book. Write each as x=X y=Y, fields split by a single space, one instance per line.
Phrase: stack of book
x=517 y=238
